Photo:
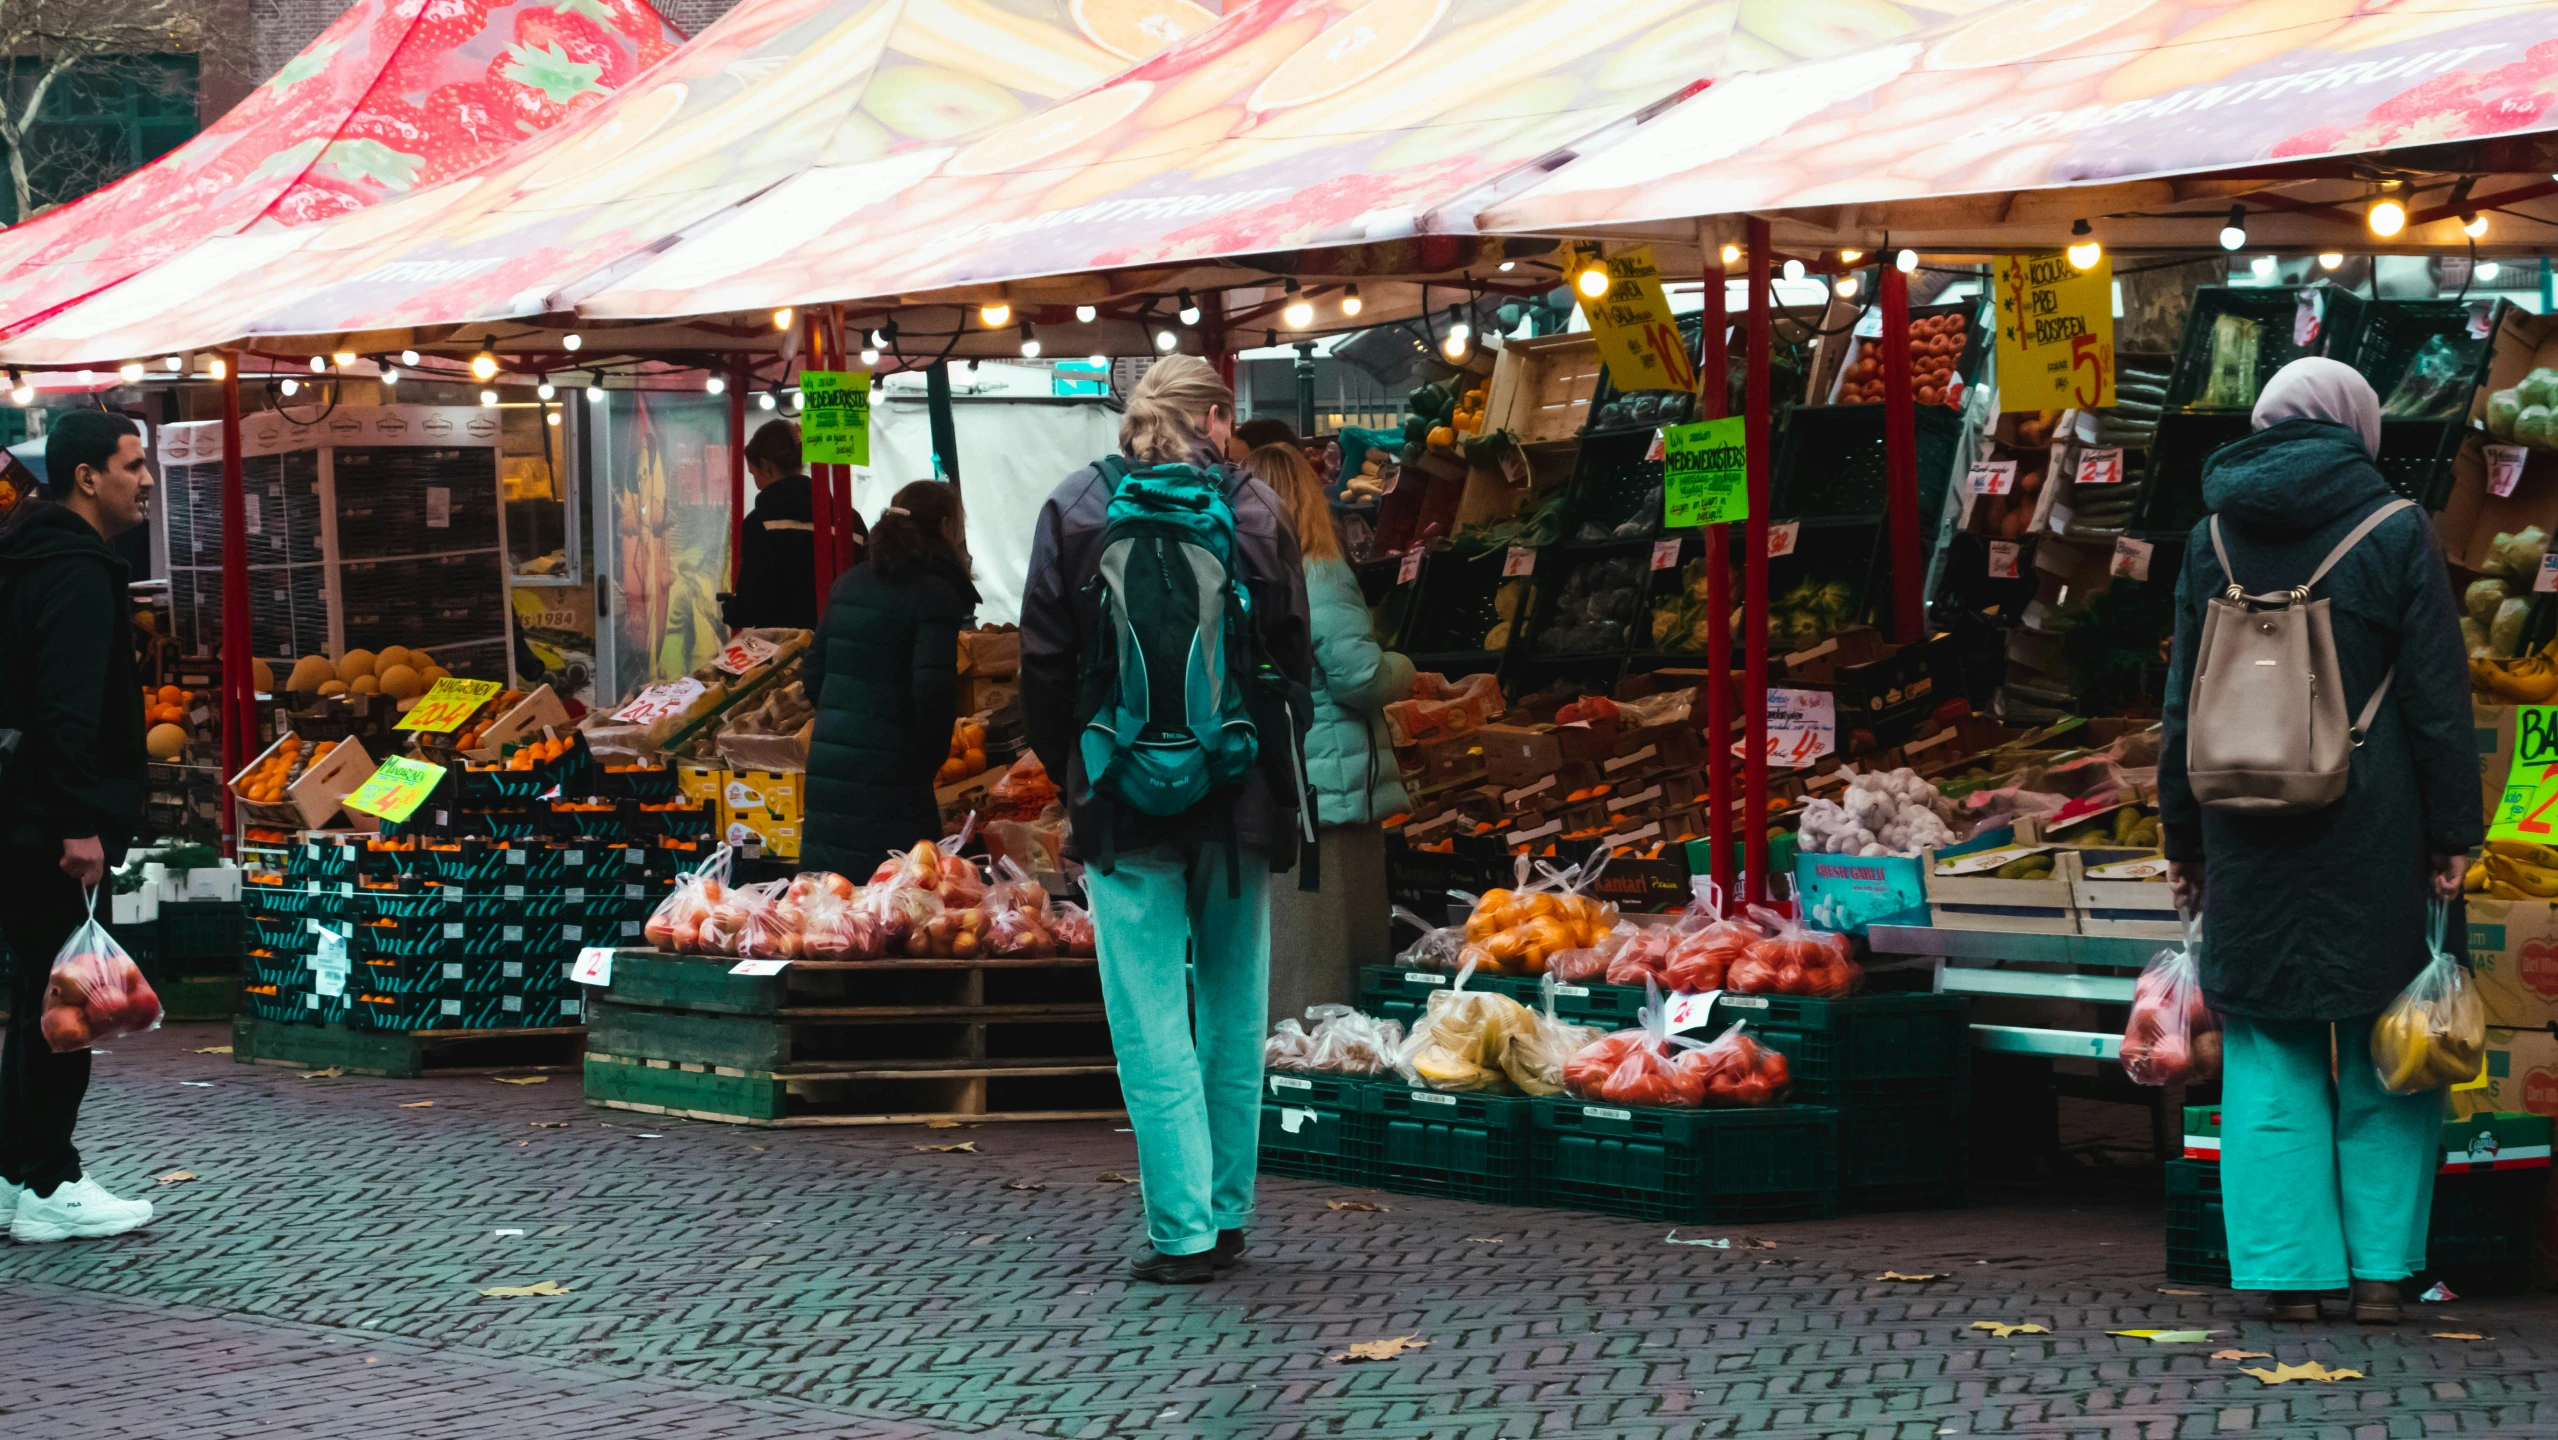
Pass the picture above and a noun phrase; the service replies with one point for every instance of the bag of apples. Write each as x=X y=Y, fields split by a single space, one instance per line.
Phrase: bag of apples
x=2174 y=1037
x=96 y=992
x=675 y=926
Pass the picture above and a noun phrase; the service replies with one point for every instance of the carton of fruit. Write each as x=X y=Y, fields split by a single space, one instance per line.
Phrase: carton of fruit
x=310 y=789
x=2014 y=888
x=2123 y=892
x=536 y=716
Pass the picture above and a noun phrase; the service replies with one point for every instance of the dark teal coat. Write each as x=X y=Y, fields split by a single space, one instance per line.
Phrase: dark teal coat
x=2322 y=916
x=884 y=677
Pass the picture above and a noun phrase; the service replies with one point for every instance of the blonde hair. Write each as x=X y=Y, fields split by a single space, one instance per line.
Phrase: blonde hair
x=1167 y=419
x=1285 y=469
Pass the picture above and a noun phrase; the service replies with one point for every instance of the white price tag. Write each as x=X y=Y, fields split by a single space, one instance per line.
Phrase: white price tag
x=1781 y=537
x=1803 y=726
x=659 y=701
x=2481 y=319
x=744 y=654
x=594 y=966
x=758 y=967
x=2100 y=466
x=330 y=965
x=2131 y=557
x=2504 y=468
x=1683 y=1012
x=2003 y=559
x=1410 y=568
x=439 y=507
x=251 y=514
x=1520 y=561
x=1658 y=450
x=2547 y=579
x=1665 y=554
x=1993 y=477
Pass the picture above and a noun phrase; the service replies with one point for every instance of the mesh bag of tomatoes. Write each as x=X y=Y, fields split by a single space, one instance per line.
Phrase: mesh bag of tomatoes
x=1650 y=1066
x=96 y=992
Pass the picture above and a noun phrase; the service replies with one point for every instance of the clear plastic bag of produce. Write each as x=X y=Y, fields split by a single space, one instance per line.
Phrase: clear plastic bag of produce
x=2435 y=1033
x=1515 y=932
x=1438 y=948
x=1592 y=962
x=1793 y=960
x=2174 y=1038
x=1018 y=920
x=1351 y=1042
x=675 y=926
x=831 y=927
x=2436 y=384
x=1074 y=930
x=1288 y=1047
x=1638 y=1066
x=1460 y=1038
x=1702 y=959
x=1643 y=956
x=1536 y=1057
x=96 y=992
x=746 y=923
x=1734 y=1069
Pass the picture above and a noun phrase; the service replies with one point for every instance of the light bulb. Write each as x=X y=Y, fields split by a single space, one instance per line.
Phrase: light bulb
x=1029 y=342
x=1846 y=287
x=288 y=386
x=1458 y=329
x=996 y=314
x=782 y=318
x=798 y=402
x=2233 y=234
x=409 y=358
x=765 y=401
x=1793 y=270
x=344 y=360
x=1850 y=257
x=2386 y=217
x=571 y=340
x=546 y=389
x=2474 y=227
x=878 y=339
x=319 y=365
x=484 y=366
x=1299 y=313
x=2330 y=259
x=131 y=370
x=1509 y=265
x=488 y=397
x=1731 y=255
x=390 y=375
x=1099 y=361
x=175 y=364
x=715 y=384
x=2085 y=254
x=1454 y=347
x=1165 y=340
x=2488 y=270
x=217 y=367
x=1906 y=262
x=20 y=392
x=1351 y=304
x=2262 y=267
x=550 y=417
x=595 y=391
x=870 y=356
x=1593 y=282
x=1190 y=308
x=1086 y=314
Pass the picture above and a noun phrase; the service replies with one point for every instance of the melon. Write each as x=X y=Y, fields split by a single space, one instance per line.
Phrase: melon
x=402 y=681
x=391 y=655
x=332 y=687
x=309 y=673
x=365 y=685
x=433 y=673
x=165 y=742
x=265 y=676
x=354 y=663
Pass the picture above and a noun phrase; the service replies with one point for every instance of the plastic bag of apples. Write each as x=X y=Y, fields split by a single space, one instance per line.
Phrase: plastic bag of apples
x=2173 y=1037
x=96 y=992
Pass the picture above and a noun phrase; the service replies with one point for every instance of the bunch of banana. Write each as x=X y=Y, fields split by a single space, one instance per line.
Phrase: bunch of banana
x=2515 y=870
x=2524 y=680
x=2430 y=1044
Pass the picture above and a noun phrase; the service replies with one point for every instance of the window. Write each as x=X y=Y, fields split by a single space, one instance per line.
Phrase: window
x=104 y=119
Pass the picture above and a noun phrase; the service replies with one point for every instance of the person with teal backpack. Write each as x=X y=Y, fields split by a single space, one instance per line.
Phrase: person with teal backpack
x=1164 y=680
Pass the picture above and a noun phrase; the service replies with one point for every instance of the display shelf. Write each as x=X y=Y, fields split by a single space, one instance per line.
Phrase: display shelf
x=2274 y=310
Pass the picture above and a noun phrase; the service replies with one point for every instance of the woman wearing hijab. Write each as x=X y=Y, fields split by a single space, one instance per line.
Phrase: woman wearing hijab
x=2313 y=922
x=884 y=678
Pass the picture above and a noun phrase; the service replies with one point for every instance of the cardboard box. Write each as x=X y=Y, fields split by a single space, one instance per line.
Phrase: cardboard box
x=1445 y=761
x=775 y=792
x=987 y=695
x=1849 y=892
x=2471 y=518
x=2132 y=908
x=700 y=783
x=2513 y=960
x=995 y=654
x=757 y=830
x=2502 y=736
x=2522 y=1075
x=1519 y=755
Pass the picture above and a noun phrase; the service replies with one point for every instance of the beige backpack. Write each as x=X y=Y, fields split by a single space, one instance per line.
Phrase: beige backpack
x=2265 y=724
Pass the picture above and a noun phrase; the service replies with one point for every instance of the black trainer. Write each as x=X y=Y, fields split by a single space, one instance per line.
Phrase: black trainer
x=1162 y=1269
x=1230 y=1251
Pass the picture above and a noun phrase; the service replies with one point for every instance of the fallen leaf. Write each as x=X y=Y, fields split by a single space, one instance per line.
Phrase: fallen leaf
x=331 y=1073
x=2241 y=1355
x=521 y=1079
x=2167 y=1337
x=966 y=1146
x=197 y=1084
x=1673 y=1239
x=941 y=1124
x=548 y=1124
x=754 y=1149
x=2002 y=1330
x=215 y=1050
x=2284 y=1374
x=985 y=1239
x=520 y=1292
x=1484 y=1240
x=1023 y=1185
x=2164 y=1291
x=1380 y=1349
x=417 y=1105
x=1356 y=1205
x=176 y=1176
x=2456 y=1335
x=1112 y=1177
x=2438 y=1294
x=1921 y=1279
x=1752 y=1242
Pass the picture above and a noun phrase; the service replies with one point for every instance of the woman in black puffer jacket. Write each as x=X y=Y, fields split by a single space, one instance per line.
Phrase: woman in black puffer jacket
x=884 y=676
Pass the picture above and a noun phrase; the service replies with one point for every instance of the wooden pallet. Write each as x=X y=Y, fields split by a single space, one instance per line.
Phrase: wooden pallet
x=853 y=1042
x=196 y=997
x=403 y=1055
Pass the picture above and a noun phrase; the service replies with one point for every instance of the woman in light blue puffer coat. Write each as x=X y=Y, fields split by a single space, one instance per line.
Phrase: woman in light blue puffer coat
x=1318 y=940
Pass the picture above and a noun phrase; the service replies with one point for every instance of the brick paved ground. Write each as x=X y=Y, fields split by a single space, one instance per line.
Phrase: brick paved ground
x=320 y=1278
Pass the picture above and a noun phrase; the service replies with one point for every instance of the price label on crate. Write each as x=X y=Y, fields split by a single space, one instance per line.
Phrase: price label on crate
x=1993 y=477
x=758 y=967
x=594 y=966
x=1410 y=568
x=1803 y=726
x=659 y=701
x=2131 y=557
x=1781 y=537
x=330 y=965
x=1521 y=560
x=1665 y=554
x=2504 y=468
x=2003 y=559
x=1683 y=1012
x=448 y=703
x=396 y=789
x=2547 y=579
x=745 y=653
x=2102 y=465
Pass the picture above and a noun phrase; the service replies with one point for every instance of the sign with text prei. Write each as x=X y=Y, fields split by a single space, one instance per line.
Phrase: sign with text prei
x=2055 y=332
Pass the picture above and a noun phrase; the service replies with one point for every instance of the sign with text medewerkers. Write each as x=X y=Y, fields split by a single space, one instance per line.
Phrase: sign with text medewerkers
x=834 y=426
x=1638 y=336
x=1705 y=476
x=2055 y=332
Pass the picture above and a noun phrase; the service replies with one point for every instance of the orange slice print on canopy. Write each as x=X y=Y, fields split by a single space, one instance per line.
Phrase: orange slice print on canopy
x=1358 y=47
x=1051 y=132
x=2028 y=28
x=1138 y=29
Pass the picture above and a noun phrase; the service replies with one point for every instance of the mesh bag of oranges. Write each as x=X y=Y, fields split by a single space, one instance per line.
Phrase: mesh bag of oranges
x=1516 y=932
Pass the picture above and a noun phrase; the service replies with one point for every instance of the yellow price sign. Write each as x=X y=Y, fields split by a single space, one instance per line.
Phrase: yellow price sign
x=1638 y=336
x=396 y=790
x=2055 y=332
x=2529 y=808
x=452 y=700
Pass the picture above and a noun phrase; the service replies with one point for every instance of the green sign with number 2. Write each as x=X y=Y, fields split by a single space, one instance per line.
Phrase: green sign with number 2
x=2529 y=809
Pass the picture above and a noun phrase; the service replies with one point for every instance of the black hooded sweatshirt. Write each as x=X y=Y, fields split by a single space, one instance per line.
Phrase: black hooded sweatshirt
x=67 y=684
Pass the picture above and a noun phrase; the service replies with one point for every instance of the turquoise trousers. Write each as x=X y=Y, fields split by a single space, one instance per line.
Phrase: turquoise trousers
x=2322 y=1179
x=1192 y=1082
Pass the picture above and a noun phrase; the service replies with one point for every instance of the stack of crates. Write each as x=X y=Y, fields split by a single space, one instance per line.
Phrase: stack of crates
x=1898 y=1070
x=1317 y=1125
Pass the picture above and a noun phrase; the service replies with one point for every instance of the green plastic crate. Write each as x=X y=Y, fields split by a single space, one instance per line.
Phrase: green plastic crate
x=1911 y=1154
x=1316 y=1126
x=1609 y=1007
x=2478 y=1239
x=1862 y=1048
x=1689 y=1166
x=200 y=930
x=1466 y=1147
x=2197 y=1235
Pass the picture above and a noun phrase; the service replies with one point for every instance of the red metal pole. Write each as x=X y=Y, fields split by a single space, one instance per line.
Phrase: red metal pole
x=736 y=470
x=1754 y=587
x=1900 y=457
x=1212 y=337
x=840 y=477
x=821 y=500
x=1714 y=401
x=239 y=679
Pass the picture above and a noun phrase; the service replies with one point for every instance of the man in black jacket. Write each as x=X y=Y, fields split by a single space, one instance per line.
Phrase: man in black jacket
x=69 y=798
x=777 y=546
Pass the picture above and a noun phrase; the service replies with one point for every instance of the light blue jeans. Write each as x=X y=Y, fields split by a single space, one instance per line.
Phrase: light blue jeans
x=1195 y=1103
x=2322 y=1178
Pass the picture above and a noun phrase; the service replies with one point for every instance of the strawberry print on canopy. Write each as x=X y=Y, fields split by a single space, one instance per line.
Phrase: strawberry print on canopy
x=391 y=98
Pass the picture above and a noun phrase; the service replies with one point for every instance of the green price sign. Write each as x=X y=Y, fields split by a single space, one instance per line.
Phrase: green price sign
x=834 y=425
x=2529 y=809
x=1705 y=477
x=396 y=790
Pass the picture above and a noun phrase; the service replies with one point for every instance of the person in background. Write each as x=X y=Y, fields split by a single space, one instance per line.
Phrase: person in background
x=1322 y=937
x=1192 y=887
x=70 y=797
x=2313 y=923
x=777 y=544
x=1251 y=435
x=884 y=678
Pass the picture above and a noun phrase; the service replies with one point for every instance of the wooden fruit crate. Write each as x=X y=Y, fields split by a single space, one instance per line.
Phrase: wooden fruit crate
x=1541 y=388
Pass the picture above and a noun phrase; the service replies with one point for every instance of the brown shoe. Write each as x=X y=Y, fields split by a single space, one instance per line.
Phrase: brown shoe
x=2376 y=1302
x=2298 y=1306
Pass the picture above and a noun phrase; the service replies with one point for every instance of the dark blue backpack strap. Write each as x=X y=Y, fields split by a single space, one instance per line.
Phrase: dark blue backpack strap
x=1113 y=469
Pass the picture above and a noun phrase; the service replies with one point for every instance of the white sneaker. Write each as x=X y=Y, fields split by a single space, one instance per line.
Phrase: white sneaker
x=81 y=1210
x=9 y=1192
